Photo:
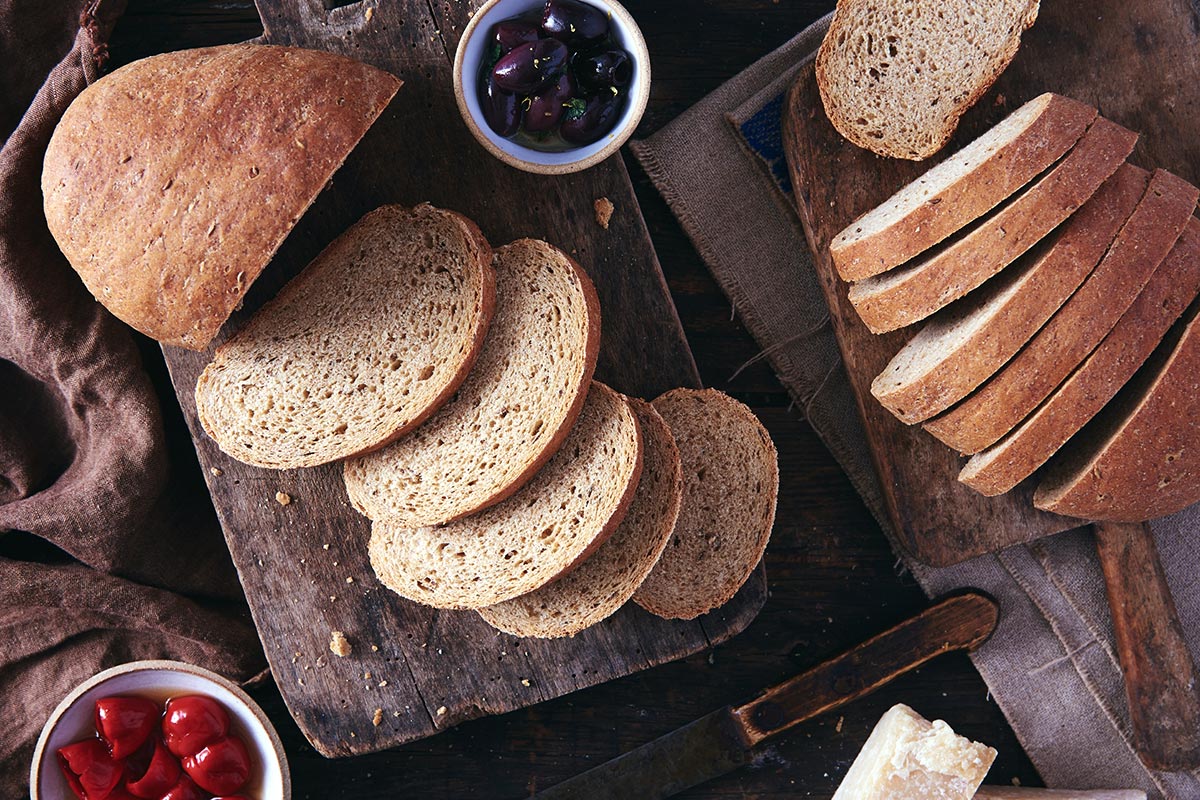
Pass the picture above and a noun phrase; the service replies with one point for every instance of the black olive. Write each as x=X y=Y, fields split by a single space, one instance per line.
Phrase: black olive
x=572 y=21
x=514 y=32
x=546 y=108
x=528 y=67
x=598 y=118
x=599 y=71
x=501 y=109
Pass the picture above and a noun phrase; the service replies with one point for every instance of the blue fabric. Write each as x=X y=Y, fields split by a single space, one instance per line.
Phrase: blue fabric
x=763 y=133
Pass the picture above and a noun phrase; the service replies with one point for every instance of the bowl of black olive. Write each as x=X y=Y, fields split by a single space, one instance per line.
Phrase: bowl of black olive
x=552 y=87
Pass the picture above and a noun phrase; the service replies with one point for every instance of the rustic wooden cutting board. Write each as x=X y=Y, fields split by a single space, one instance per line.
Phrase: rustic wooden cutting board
x=1140 y=64
x=304 y=566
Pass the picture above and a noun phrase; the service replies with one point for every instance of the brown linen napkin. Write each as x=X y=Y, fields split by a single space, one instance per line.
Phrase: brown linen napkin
x=1051 y=666
x=97 y=532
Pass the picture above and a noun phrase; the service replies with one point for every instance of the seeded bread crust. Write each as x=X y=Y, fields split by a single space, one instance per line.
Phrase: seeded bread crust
x=597 y=588
x=1015 y=391
x=541 y=533
x=962 y=188
x=170 y=183
x=911 y=293
x=526 y=390
x=965 y=344
x=1171 y=290
x=730 y=488
x=1140 y=459
x=359 y=348
x=895 y=77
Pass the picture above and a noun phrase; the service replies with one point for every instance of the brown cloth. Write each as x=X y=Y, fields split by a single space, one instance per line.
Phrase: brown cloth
x=100 y=538
x=1051 y=666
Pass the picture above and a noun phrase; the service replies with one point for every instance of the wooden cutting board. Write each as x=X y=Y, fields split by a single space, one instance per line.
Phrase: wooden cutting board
x=1139 y=63
x=304 y=566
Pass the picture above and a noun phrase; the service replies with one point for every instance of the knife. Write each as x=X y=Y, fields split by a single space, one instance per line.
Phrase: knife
x=724 y=740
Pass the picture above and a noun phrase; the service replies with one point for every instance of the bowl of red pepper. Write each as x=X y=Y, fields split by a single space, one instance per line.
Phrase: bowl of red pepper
x=159 y=730
x=552 y=87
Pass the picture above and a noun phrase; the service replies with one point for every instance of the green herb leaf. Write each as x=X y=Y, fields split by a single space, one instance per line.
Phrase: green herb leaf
x=493 y=56
x=575 y=108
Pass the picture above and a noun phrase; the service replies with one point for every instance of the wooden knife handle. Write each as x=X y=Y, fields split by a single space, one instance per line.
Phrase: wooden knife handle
x=962 y=622
x=1160 y=675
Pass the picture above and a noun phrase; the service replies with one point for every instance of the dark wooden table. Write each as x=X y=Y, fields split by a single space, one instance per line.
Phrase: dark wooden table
x=834 y=580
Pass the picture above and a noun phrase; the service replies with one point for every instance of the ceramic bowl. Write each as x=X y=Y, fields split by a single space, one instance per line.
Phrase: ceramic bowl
x=158 y=680
x=473 y=48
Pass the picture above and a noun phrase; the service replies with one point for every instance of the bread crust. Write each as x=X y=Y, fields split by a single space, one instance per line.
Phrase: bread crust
x=170 y=183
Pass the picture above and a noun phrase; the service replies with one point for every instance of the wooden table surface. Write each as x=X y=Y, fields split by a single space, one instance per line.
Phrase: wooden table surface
x=834 y=581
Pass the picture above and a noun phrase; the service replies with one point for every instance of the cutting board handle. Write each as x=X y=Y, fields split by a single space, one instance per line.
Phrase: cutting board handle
x=1160 y=675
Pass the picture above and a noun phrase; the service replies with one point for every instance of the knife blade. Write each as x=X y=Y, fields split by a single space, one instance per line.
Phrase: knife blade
x=724 y=740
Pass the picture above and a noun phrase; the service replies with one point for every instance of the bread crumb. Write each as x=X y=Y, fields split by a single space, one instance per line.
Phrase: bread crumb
x=378 y=718
x=525 y=681
x=374 y=648
x=604 y=211
x=441 y=711
x=325 y=546
x=339 y=645
x=382 y=684
x=838 y=727
x=370 y=12
x=349 y=580
x=217 y=471
x=283 y=498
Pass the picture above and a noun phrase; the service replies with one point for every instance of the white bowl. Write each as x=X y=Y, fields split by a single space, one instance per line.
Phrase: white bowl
x=472 y=48
x=159 y=680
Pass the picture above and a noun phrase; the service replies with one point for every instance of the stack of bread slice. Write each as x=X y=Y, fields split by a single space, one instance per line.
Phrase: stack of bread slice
x=456 y=388
x=1057 y=286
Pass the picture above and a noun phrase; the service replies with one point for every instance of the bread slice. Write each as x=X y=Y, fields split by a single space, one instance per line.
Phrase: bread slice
x=512 y=412
x=911 y=293
x=1171 y=290
x=597 y=588
x=896 y=76
x=1066 y=340
x=730 y=486
x=362 y=346
x=962 y=188
x=542 y=532
x=1140 y=458
x=171 y=182
x=963 y=345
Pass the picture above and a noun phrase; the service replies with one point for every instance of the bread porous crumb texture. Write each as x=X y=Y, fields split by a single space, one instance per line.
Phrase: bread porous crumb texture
x=896 y=76
x=540 y=533
x=366 y=343
x=512 y=412
x=730 y=487
x=597 y=588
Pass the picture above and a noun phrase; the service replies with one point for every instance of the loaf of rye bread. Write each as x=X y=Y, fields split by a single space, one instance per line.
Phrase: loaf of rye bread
x=512 y=412
x=597 y=588
x=1172 y=288
x=963 y=345
x=359 y=348
x=962 y=188
x=964 y=262
x=170 y=183
x=730 y=488
x=558 y=519
x=896 y=75
x=1067 y=339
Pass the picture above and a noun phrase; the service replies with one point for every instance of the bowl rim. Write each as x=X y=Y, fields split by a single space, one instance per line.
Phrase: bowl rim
x=638 y=99
x=39 y=751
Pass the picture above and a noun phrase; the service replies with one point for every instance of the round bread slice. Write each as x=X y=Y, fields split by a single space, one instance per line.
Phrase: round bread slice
x=363 y=345
x=542 y=532
x=730 y=486
x=597 y=588
x=513 y=411
x=171 y=182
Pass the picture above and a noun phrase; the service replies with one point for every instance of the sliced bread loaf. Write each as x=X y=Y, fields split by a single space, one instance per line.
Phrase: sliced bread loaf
x=1171 y=290
x=540 y=533
x=730 y=486
x=362 y=346
x=1140 y=458
x=895 y=76
x=1066 y=340
x=935 y=279
x=963 y=345
x=597 y=588
x=512 y=412
x=171 y=182
x=962 y=188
